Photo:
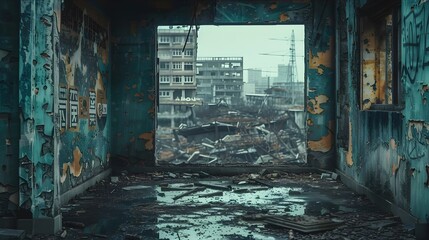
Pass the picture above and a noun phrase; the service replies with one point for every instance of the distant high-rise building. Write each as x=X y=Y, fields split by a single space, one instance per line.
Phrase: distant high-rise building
x=284 y=74
x=177 y=83
x=261 y=83
x=220 y=78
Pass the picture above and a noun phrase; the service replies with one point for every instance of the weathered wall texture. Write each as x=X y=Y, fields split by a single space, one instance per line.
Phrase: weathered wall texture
x=83 y=94
x=9 y=120
x=134 y=82
x=134 y=77
x=387 y=151
x=133 y=90
x=38 y=70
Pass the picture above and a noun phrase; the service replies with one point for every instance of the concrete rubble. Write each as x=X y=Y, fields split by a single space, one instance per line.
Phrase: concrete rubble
x=269 y=204
x=241 y=138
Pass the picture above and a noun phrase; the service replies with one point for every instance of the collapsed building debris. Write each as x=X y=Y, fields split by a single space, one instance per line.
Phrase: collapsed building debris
x=239 y=138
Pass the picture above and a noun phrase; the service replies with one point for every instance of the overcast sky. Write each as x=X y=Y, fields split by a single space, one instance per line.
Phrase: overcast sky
x=250 y=41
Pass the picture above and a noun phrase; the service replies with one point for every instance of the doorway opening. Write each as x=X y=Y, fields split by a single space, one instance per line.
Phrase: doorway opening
x=231 y=95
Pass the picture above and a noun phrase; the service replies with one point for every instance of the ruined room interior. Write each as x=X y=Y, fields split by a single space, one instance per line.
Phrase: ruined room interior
x=79 y=99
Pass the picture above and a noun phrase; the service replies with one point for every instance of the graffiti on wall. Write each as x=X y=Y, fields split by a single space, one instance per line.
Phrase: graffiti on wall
x=416 y=41
x=73 y=109
x=92 y=110
x=418 y=139
x=84 y=71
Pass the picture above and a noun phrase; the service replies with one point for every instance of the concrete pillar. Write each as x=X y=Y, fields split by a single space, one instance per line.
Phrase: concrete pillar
x=320 y=88
x=38 y=164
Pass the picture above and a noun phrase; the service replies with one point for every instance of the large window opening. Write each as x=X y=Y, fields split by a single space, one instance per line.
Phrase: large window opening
x=231 y=95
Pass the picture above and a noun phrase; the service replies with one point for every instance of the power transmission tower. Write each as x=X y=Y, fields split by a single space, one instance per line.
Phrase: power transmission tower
x=293 y=68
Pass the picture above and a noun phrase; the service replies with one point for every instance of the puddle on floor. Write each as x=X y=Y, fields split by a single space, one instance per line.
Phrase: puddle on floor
x=217 y=217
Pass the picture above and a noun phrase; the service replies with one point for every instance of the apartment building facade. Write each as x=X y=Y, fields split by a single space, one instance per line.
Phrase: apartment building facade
x=220 y=78
x=177 y=51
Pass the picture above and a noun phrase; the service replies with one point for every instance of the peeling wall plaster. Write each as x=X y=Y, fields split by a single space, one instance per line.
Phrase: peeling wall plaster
x=387 y=150
x=84 y=77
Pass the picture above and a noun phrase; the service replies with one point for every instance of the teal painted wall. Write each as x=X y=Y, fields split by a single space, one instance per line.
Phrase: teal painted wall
x=134 y=85
x=83 y=90
x=387 y=151
x=38 y=71
x=9 y=118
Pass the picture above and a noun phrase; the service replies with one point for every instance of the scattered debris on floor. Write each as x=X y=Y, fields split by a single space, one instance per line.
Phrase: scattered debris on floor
x=231 y=139
x=167 y=205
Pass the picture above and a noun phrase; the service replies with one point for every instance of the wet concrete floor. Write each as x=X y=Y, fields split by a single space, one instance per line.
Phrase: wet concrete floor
x=138 y=207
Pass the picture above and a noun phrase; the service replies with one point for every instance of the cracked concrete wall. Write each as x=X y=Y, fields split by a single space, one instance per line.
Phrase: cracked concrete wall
x=83 y=93
x=38 y=71
x=9 y=118
x=386 y=150
x=135 y=83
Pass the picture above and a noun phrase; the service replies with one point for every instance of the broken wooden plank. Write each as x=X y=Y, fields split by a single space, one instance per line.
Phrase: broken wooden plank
x=213 y=194
x=305 y=225
x=198 y=189
x=174 y=189
x=211 y=186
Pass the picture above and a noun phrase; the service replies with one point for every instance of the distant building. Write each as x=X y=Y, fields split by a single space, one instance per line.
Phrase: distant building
x=284 y=73
x=261 y=83
x=248 y=88
x=220 y=78
x=177 y=83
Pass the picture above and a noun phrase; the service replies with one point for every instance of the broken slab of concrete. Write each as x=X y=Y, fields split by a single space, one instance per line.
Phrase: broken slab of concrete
x=11 y=234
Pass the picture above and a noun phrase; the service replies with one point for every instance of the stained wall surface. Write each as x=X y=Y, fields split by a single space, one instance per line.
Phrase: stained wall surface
x=84 y=81
x=83 y=93
x=386 y=151
x=134 y=82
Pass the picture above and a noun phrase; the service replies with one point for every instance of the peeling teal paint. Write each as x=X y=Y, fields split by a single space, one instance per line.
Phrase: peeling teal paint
x=243 y=12
x=37 y=38
x=386 y=151
x=85 y=67
x=389 y=148
x=415 y=72
x=133 y=78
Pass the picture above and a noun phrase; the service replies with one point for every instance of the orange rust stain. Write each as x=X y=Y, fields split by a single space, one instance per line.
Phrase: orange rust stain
x=104 y=53
x=322 y=145
x=69 y=70
x=395 y=166
x=417 y=125
x=322 y=58
x=151 y=111
x=393 y=144
x=349 y=156
x=148 y=136
x=137 y=95
x=314 y=105
x=64 y=175
x=425 y=88
x=75 y=167
x=325 y=143
x=151 y=97
x=273 y=6
x=283 y=17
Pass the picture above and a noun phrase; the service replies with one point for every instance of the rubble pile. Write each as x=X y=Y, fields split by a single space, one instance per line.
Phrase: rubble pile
x=259 y=141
